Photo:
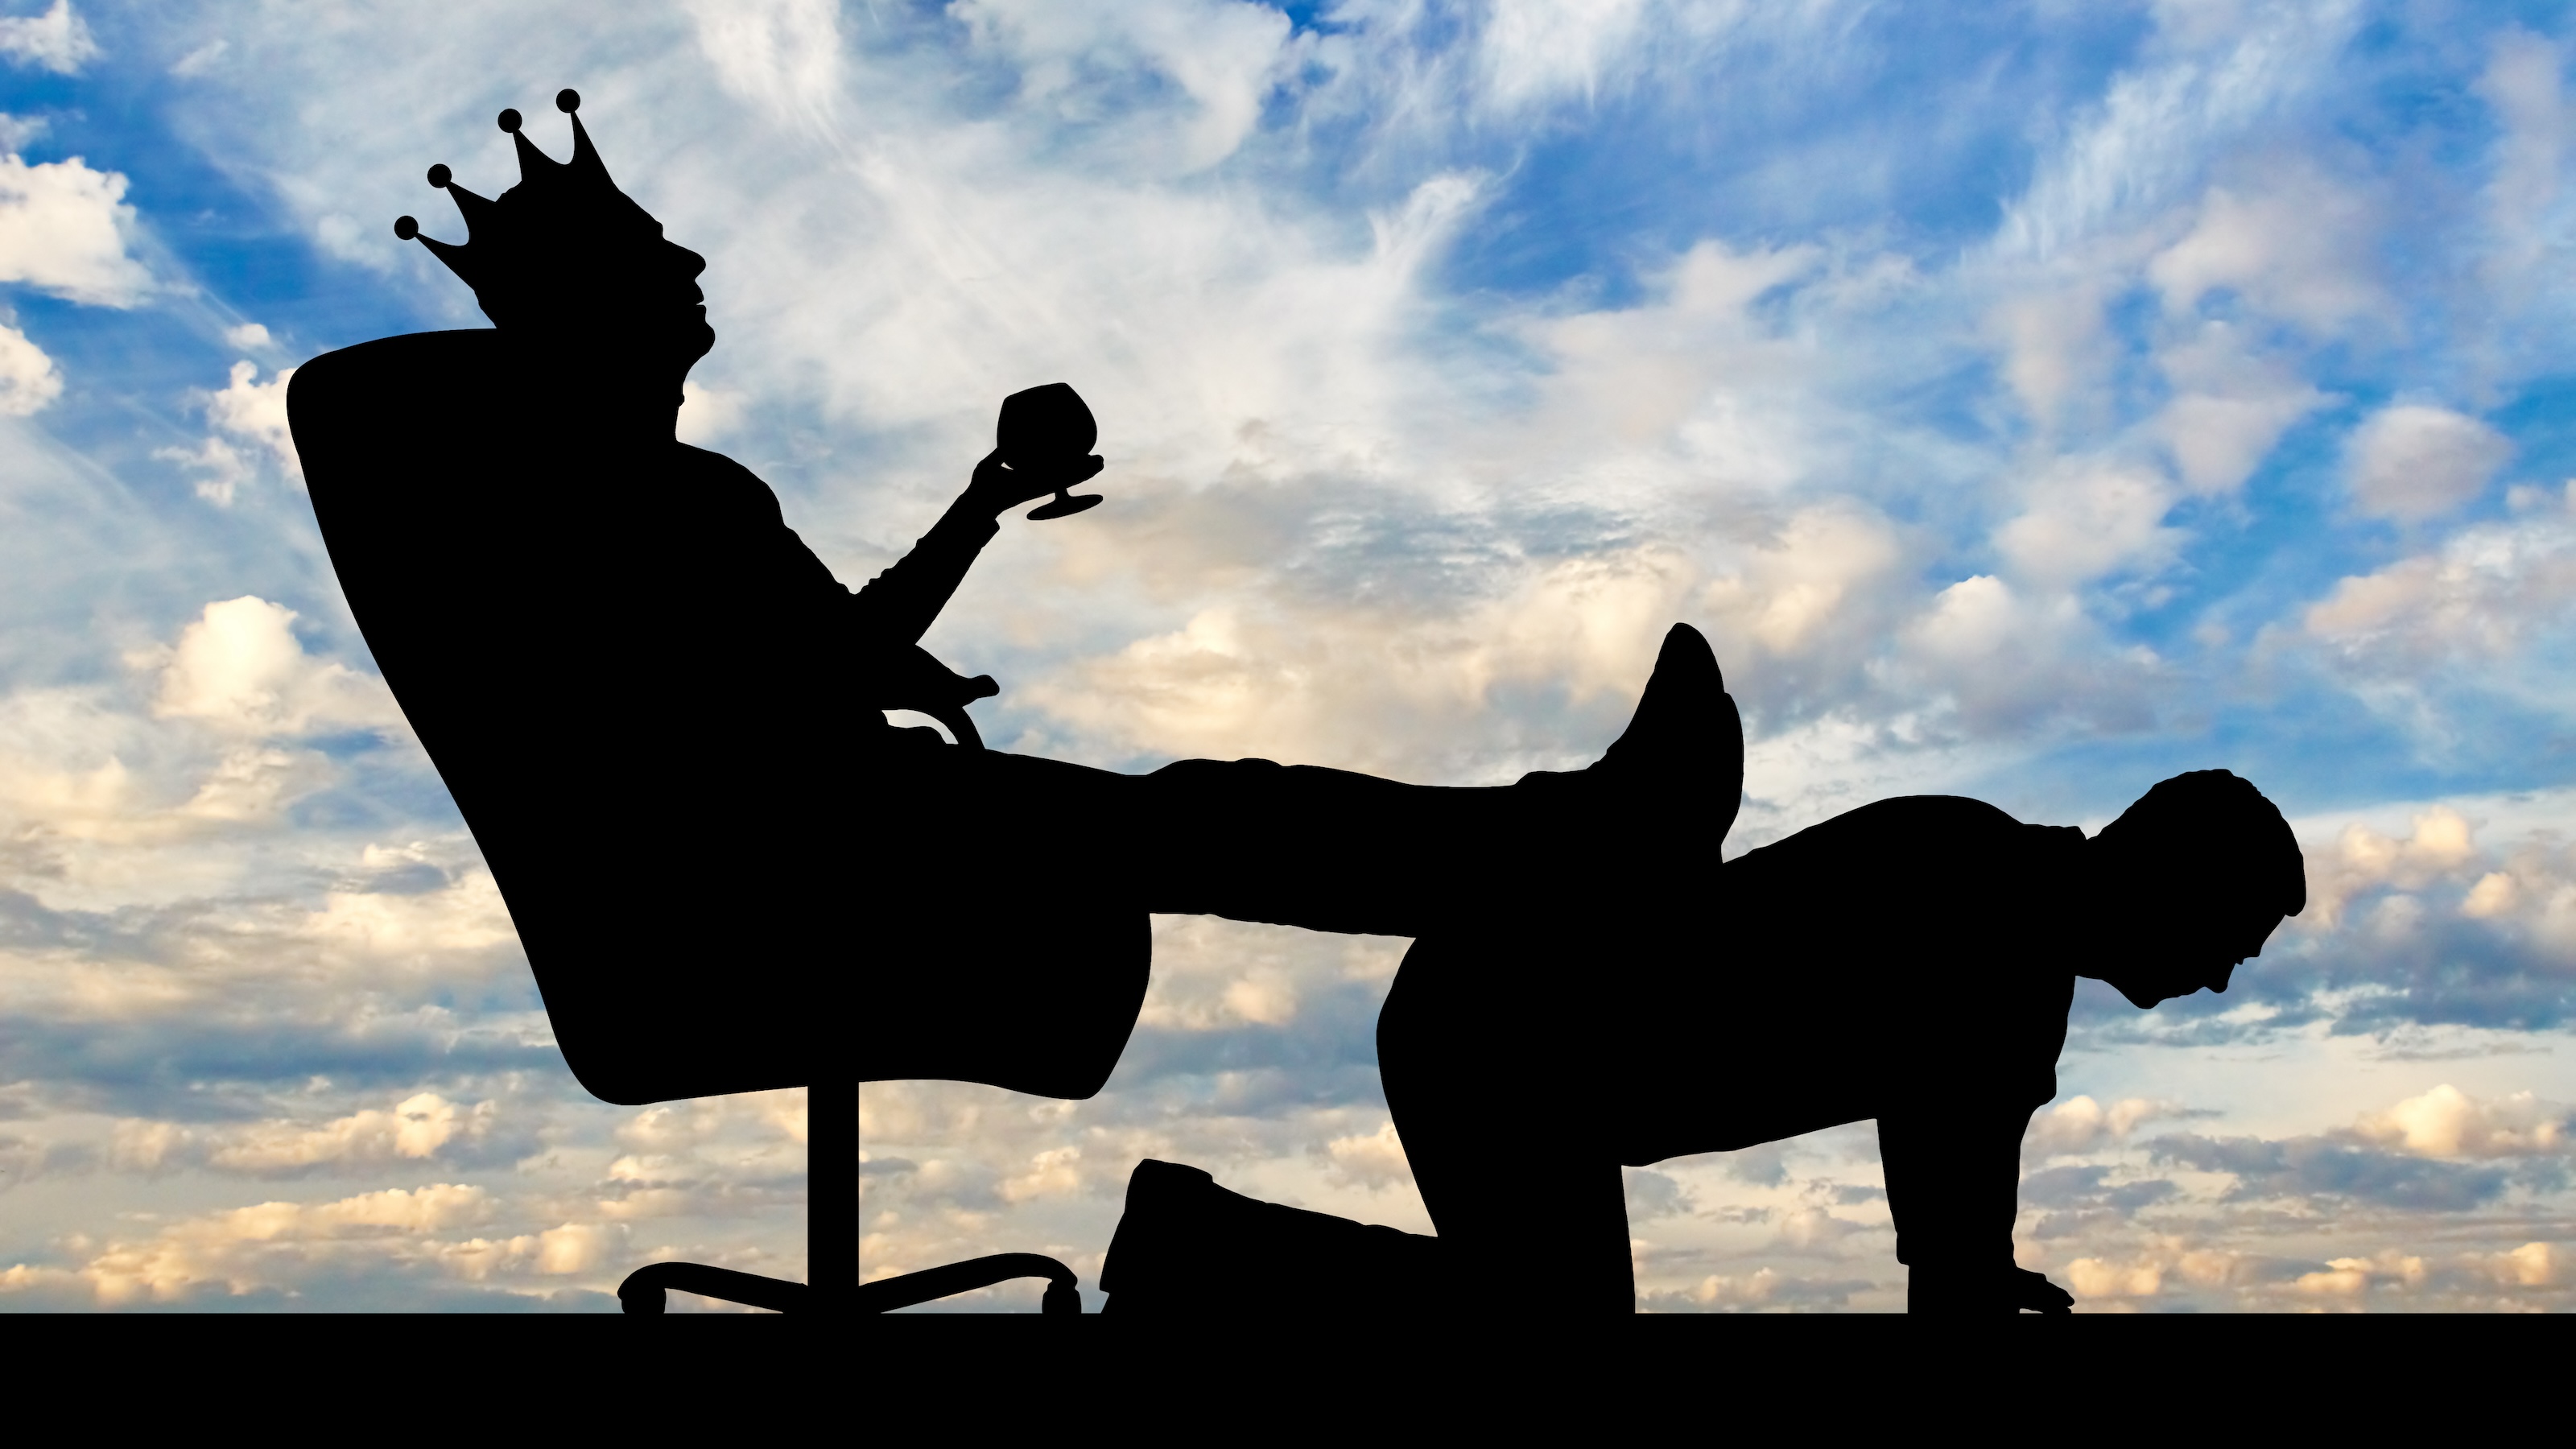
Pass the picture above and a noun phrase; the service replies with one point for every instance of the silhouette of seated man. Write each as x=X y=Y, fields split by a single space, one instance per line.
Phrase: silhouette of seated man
x=1911 y=961
x=662 y=716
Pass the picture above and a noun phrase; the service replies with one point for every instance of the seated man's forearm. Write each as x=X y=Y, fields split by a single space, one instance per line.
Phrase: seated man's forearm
x=899 y=605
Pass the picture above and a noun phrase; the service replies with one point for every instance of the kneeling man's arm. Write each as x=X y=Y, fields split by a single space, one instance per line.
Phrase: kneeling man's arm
x=1954 y=1186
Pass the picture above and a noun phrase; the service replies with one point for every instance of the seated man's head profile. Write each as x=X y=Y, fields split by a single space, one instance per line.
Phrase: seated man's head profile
x=568 y=266
x=2187 y=883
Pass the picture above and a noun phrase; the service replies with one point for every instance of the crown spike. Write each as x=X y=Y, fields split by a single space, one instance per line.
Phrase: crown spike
x=585 y=156
x=532 y=162
x=439 y=175
x=567 y=100
x=458 y=259
x=510 y=120
x=477 y=210
x=406 y=227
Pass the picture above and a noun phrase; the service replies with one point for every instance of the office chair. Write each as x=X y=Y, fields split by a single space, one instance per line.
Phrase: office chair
x=448 y=498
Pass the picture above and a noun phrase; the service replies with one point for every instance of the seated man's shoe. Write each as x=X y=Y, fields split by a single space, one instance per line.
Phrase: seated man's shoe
x=1681 y=760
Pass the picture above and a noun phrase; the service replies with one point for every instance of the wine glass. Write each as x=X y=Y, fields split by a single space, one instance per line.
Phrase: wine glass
x=1047 y=431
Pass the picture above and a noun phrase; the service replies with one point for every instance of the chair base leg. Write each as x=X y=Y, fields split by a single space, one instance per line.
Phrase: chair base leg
x=643 y=1290
x=888 y=1294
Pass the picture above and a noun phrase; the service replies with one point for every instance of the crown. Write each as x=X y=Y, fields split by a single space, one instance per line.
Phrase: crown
x=526 y=253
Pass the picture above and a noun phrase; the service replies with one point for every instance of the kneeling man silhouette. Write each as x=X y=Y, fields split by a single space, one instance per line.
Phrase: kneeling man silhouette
x=1911 y=961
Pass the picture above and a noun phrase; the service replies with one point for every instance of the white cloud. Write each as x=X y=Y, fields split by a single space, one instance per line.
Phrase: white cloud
x=1373 y=1161
x=2081 y=1124
x=1223 y=56
x=245 y=412
x=1717 y=1290
x=2488 y=594
x=2055 y=348
x=2352 y=1277
x=2523 y=83
x=240 y=670
x=2009 y=658
x=62 y=230
x=28 y=378
x=706 y=414
x=1535 y=50
x=2088 y=518
x=256 y=413
x=247 y=337
x=784 y=55
x=2412 y=462
x=2094 y=1278
x=58 y=40
x=2291 y=244
x=2161 y=121
x=1350 y=686
x=2533 y=1265
x=2447 y=1122
x=417 y=1128
x=1829 y=568
x=275 y=1244
x=2229 y=407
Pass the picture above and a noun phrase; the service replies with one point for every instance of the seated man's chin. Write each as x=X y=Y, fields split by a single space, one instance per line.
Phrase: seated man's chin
x=2146 y=996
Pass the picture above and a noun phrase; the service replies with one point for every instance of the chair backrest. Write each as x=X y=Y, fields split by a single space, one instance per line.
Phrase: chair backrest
x=475 y=569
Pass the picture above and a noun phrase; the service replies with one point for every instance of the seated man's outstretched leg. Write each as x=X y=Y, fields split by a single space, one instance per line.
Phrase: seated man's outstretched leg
x=1010 y=907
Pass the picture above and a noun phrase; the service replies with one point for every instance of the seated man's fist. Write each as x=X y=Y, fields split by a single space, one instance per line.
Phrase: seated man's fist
x=999 y=486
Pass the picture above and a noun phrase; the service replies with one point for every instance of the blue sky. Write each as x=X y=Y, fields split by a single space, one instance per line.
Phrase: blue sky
x=2028 y=404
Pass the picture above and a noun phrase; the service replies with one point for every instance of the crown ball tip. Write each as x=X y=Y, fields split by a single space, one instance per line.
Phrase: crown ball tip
x=510 y=121
x=439 y=176
x=406 y=228
x=567 y=100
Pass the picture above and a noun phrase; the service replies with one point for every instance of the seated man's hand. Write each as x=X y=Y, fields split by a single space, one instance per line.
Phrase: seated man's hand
x=998 y=486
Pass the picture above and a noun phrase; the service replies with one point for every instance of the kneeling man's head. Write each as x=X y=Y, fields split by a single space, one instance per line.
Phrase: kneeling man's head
x=2190 y=881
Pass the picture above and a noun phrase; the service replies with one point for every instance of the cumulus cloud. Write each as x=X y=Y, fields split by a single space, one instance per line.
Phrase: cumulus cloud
x=2229 y=408
x=2292 y=245
x=28 y=378
x=2413 y=462
x=239 y=670
x=421 y=1126
x=2080 y=1124
x=2485 y=595
x=1376 y=1160
x=245 y=413
x=2447 y=1122
x=2523 y=82
x=62 y=230
x=2316 y=1167
x=1223 y=57
x=2362 y=859
x=285 y=1247
x=2089 y=518
x=2093 y=1278
x=58 y=40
